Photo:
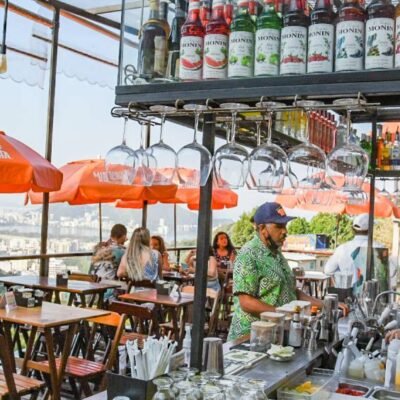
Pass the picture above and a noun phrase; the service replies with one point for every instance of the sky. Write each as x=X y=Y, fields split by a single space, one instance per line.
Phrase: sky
x=83 y=126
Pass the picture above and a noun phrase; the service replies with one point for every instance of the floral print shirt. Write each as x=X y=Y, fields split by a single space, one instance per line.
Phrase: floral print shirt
x=263 y=274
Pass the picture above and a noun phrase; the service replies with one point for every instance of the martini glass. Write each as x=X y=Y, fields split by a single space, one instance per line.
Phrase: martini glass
x=309 y=160
x=231 y=160
x=147 y=163
x=164 y=154
x=194 y=159
x=121 y=162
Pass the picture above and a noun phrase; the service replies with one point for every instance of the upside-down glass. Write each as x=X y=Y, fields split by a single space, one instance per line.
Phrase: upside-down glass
x=347 y=165
x=164 y=391
x=164 y=154
x=194 y=157
x=231 y=160
x=268 y=164
x=308 y=160
x=147 y=163
x=121 y=162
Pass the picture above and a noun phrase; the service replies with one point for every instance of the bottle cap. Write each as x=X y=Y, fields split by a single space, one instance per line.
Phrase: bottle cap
x=314 y=309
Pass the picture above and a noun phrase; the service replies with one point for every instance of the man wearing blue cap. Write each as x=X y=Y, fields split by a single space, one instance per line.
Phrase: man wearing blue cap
x=262 y=278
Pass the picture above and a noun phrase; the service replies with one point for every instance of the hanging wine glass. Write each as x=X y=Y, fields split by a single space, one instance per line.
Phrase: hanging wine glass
x=268 y=164
x=347 y=165
x=384 y=192
x=147 y=164
x=164 y=154
x=308 y=159
x=231 y=160
x=396 y=194
x=121 y=162
x=194 y=159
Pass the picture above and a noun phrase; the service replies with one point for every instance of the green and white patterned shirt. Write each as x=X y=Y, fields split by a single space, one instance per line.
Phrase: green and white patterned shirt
x=260 y=273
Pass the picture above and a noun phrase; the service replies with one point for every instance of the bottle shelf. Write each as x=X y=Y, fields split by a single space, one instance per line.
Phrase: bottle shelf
x=386 y=174
x=376 y=86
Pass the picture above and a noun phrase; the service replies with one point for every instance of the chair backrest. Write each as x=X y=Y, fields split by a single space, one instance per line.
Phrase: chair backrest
x=215 y=297
x=77 y=276
x=144 y=283
x=103 y=324
x=143 y=319
x=7 y=369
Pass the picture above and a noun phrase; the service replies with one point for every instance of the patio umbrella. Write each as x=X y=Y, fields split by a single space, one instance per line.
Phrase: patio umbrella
x=332 y=201
x=85 y=182
x=23 y=169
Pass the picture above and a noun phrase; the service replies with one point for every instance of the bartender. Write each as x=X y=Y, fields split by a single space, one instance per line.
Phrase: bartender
x=262 y=278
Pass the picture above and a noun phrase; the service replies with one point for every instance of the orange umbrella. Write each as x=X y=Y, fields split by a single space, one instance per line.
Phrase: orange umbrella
x=221 y=198
x=23 y=169
x=332 y=201
x=85 y=182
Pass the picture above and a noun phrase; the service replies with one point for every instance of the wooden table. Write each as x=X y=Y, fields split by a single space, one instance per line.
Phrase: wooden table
x=48 y=316
x=159 y=300
x=316 y=282
x=49 y=285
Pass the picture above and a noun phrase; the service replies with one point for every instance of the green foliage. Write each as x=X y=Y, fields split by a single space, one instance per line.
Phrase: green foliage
x=334 y=226
x=242 y=230
x=298 y=226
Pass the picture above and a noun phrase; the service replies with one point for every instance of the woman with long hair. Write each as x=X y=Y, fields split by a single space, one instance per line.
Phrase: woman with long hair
x=157 y=243
x=224 y=251
x=140 y=261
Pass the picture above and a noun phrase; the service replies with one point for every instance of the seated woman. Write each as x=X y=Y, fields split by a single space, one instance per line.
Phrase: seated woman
x=212 y=272
x=224 y=251
x=140 y=261
x=157 y=243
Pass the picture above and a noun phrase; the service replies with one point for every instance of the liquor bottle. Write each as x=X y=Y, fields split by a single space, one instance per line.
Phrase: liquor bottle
x=365 y=144
x=294 y=40
x=296 y=329
x=153 y=48
x=321 y=38
x=396 y=151
x=241 y=43
x=350 y=37
x=397 y=39
x=191 y=49
x=253 y=10
x=205 y=12
x=268 y=36
x=174 y=42
x=379 y=146
x=379 y=35
x=216 y=43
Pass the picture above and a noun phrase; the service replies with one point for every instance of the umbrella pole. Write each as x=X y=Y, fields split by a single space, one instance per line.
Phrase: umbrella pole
x=100 y=223
x=175 y=225
x=144 y=214
x=146 y=145
x=44 y=261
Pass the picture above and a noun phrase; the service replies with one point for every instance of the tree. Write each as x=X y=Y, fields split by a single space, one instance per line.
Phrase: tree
x=383 y=232
x=334 y=226
x=298 y=226
x=242 y=230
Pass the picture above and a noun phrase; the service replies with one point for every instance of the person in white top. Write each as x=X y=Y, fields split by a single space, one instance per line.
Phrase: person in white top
x=341 y=264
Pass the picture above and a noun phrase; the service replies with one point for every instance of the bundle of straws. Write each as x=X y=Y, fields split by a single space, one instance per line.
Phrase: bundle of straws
x=152 y=360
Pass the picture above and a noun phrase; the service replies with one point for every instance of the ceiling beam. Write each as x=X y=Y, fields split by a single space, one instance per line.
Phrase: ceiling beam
x=28 y=14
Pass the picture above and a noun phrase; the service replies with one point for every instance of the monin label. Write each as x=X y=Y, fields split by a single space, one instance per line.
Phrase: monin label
x=241 y=54
x=267 y=52
x=320 y=48
x=293 y=50
x=349 y=46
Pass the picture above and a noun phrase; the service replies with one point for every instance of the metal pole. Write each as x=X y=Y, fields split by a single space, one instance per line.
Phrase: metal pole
x=100 y=223
x=3 y=42
x=370 y=252
x=146 y=145
x=44 y=262
x=202 y=255
x=121 y=45
x=175 y=225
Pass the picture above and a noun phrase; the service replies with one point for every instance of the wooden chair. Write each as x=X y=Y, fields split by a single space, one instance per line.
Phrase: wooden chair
x=144 y=321
x=212 y=316
x=78 y=276
x=14 y=386
x=94 y=364
x=144 y=283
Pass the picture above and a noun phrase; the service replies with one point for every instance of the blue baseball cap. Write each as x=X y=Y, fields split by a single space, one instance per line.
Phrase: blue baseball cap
x=271 y=213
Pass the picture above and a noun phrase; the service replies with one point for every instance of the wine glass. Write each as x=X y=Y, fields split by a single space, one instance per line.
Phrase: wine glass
x=147 y=163
x=268 y=164
x=164 y=154
x=396 y=194
x=121 y=161
x=231 y=160
x=347 y=165
x=310 y=159
x=194 y=159
x=384 y=192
